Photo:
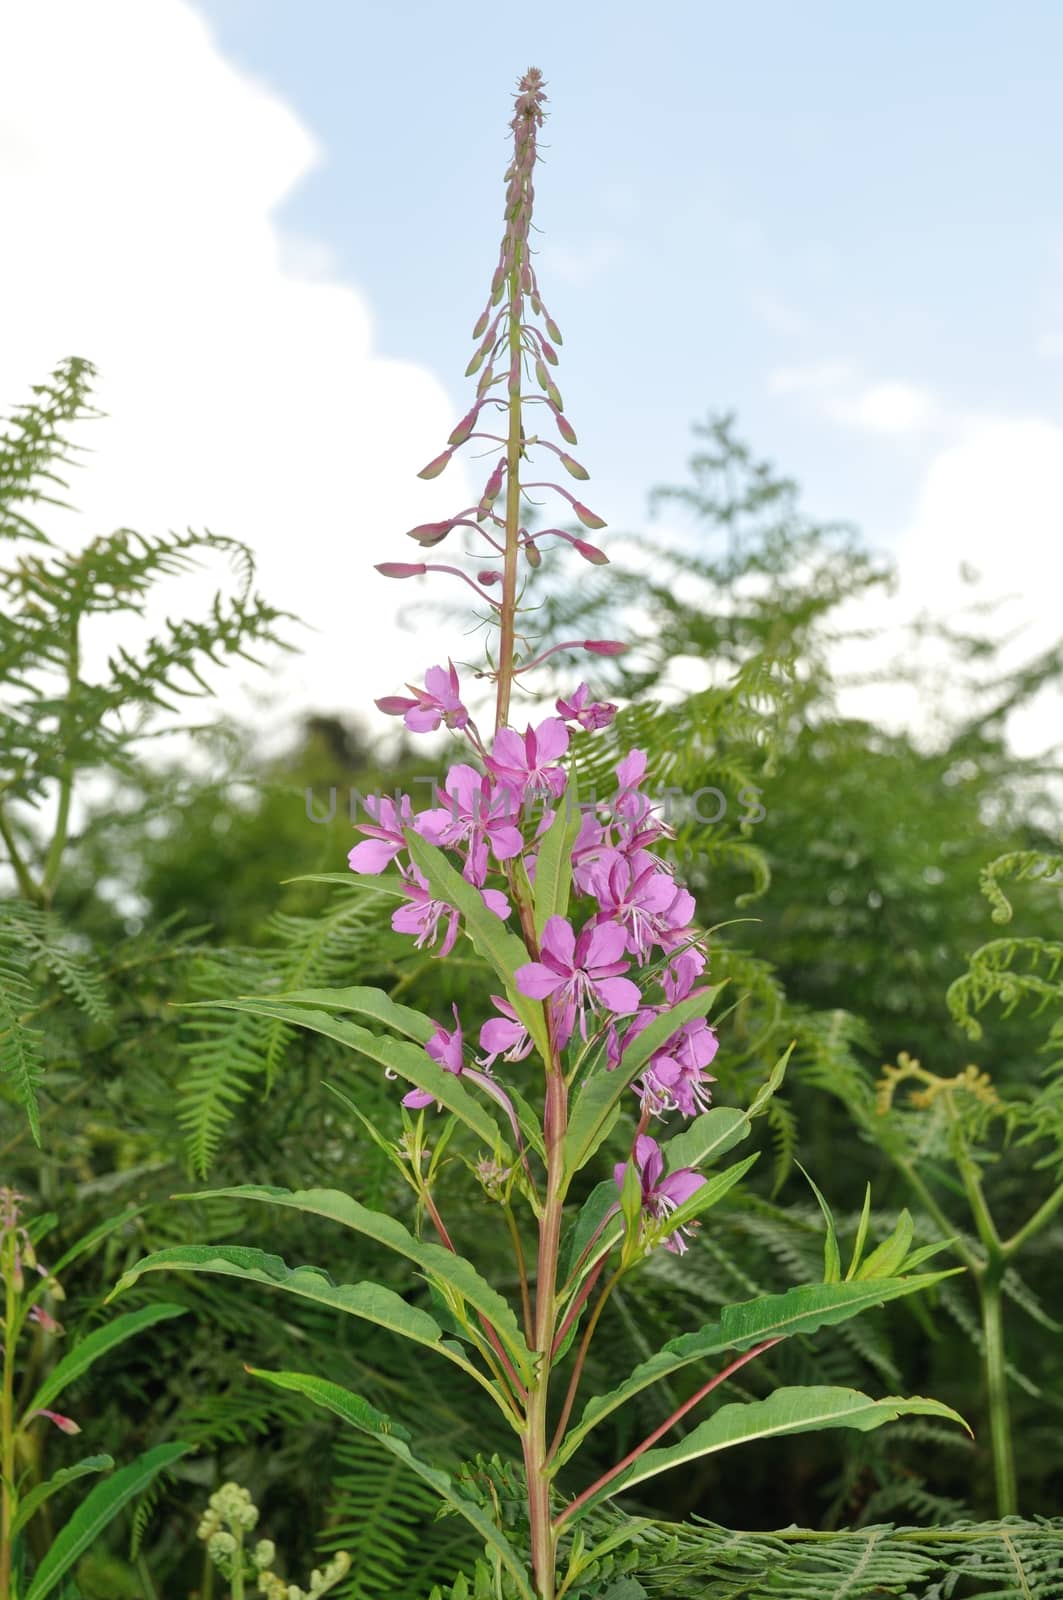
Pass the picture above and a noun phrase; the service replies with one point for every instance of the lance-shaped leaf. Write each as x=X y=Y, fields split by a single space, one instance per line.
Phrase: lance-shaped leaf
x=802 y=1309
x=373 y=1302
x=710 y=1193
x=707 y=1137
x=403 y=1057
x=376 y=1004
x=351 y=1408
x=500 y=948
x=441 y=1265
x=95 y=1345
x=599 y=1095
x=787 y=1411
x=95 y=1512
x=597 y=1220
x=36 y=1497
x=553 y=863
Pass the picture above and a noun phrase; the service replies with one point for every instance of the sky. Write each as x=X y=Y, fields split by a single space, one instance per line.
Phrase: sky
x=271 y=225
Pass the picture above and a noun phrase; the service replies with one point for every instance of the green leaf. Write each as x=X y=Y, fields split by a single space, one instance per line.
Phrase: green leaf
x=95 y=1345
x=601 y=1200
x=351 y=1408
x=708 y=1136
x=553 y=863
x=887 y=1259
x=500 y=948
x=89 y=1240
x=787 y=1411
x=443 y=1265
x=400 y=1055
x=601 y=1091
x=861 y=1234
x=373 y=1302
x=32 y=1501
x=802 y=1309
x=832 y=1261
x=95 y=1512
x=375 y=1004
x=711 y=1192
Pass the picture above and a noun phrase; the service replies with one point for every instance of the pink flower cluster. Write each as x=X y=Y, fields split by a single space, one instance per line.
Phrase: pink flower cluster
x=626 y=956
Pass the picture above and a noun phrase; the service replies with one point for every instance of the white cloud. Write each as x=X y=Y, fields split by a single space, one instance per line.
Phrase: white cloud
x=990 y=502
x=895 y=408
x=140 y=174
x=821 y=377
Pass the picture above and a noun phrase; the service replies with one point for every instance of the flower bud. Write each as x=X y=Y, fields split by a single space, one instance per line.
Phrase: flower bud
x=435 y=467
x=492 y=490
x=465 y=426
x=589 y=519
x=549 y=352
x=554 y=393
x=564 y=427
x=485 y=380
x=401 y=569
x=553 y=330
x=489 y=577
x=533 y=555
x=64 y=1424
x=477 y=361
x=542 y=377
x=429 y=533
x=573 y=467
x=536 y=304
x=481 y=326
x=604 y=647
x=590 y=552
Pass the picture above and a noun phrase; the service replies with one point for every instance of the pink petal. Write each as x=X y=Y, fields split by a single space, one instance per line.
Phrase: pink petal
x=618 y=995
x=551 y=738
x=559 y=939
x=649 y=1159
x=537 y=981
x=496 y=901
x=372 y=855
x=417 y=1098
x=423 y=719
x=679 y=1186
x=605 y=945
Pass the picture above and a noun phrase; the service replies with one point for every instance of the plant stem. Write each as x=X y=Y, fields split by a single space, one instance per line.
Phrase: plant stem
x=522 y=1272
x=54 y=858
x=1043 y=1214
x=7 y=1422
x=581 y=1356
x=508 y=609
x=23 y=877
x=997 y=1390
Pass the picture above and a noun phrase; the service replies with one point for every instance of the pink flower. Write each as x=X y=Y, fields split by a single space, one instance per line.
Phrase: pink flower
x=675 y=1079
x=45 y=1320
x=446 y=1048
x=504 y=1036
x=525 y=763
x=473 y=813
x=423 y=915
x=588 y=714
x=679 y=975
x=574 y=972
x=644 y=899
x=437 y=702
x=661 y=1196
x=385 y=836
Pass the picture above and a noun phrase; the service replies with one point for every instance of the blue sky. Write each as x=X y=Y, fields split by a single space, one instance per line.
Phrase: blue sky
x=272 y=223
x=737 y=198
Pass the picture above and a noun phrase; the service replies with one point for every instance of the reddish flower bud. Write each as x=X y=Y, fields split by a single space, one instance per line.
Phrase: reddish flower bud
x=564 y=427
x=590 y=552
x=536 y=304
x=573 y=467
x=492 y=490
x=489 y=577
x=549 y=352
x=481 y=326
x=533 y=555
x=435 y=467
x=429 y=533
x=477 y=361
x=465 y=426
x=542 y=377
x=401 y=569
x=553 y=330
x=589 y=518
x=64 y=1424
x=604 y=647
x=554 y=393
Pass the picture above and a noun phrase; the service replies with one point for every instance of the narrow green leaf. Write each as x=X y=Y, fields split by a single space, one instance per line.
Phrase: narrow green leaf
x=373 y=1302
x=553 y=863
x=351 y=1408
x=711 y=1192
x=95 y=1345
x=36 y=1497
x=832 y=1261
x=400 y=1055
x=708 y=1136
x=592 y=1214
x=500 y=948
x=99 y=1508
x=95 y=1236
x=802 y=1309
x=441 y=1264
x=885 y=1261
x=861 y=1234
x=376 y=1004
x=600 y=1093
x=787 y=1411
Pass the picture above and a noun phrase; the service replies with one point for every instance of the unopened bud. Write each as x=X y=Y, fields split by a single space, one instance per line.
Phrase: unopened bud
x=489 y=577
x=590 y=552
x=604 y=647
x=465 y=426
x=492 y=490
x=533 y=555
x=549 y=352
x=564 y=427
x=64 y=1424
x=430 y=533
x=401 y=569
x=553 y=393
x=542 y=377
x=553 y=330
x=435 y=467
x=589 y=519
x=573 y=467
x=481 y=326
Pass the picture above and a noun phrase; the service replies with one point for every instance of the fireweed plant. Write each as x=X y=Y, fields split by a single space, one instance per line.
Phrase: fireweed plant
x=599 y=1032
